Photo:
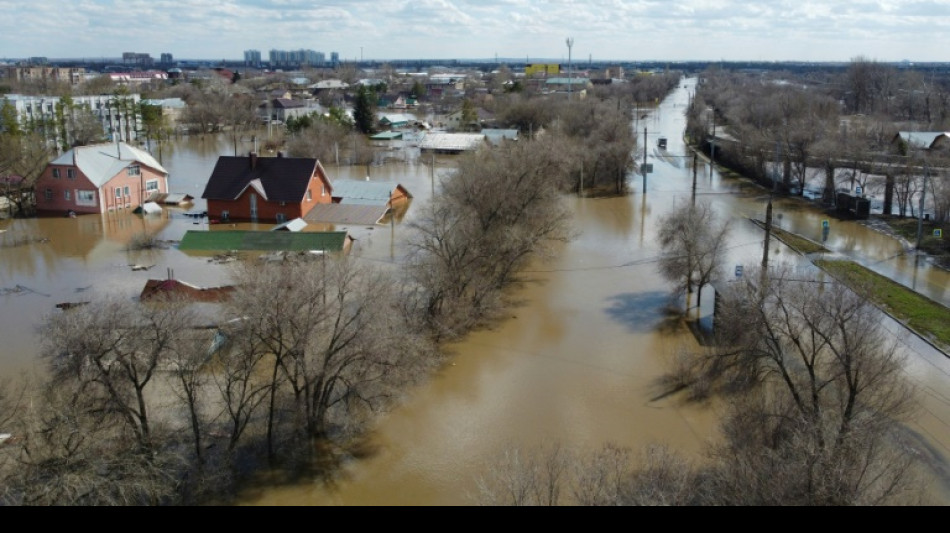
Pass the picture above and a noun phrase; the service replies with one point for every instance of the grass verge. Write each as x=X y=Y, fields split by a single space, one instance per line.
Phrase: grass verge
x=928 y=318
x=796 y=242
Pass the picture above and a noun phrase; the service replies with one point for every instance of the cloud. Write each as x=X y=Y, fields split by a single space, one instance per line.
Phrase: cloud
x=407 y=29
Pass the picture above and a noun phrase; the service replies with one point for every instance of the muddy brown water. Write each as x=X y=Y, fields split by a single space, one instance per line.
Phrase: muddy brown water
x=575 y=363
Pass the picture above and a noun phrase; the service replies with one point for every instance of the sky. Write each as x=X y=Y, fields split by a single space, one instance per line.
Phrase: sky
x=381 y=30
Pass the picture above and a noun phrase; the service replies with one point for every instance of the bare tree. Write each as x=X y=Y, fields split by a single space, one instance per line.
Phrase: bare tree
x=693 y=242
x=500 y=209
x=114 y=348
x=822 y=398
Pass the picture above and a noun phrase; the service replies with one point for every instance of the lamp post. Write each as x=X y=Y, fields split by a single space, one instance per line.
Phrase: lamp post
x=570 y=86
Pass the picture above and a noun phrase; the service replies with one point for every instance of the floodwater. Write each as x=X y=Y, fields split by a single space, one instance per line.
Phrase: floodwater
x=574 y=364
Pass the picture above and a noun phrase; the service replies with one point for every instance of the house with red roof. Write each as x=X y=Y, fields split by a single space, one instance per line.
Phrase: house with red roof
x=99 y=178
x=273 y=189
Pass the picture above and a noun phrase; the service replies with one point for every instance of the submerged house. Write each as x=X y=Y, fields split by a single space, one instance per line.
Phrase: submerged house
x=99 y=178
x=275 y=189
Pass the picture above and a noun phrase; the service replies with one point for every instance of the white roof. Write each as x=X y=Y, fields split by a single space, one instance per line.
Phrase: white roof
x=101 y=162
x=921 y=139
x=395 y=118
x=330 y=84
x=452 y=141
x=296 y=224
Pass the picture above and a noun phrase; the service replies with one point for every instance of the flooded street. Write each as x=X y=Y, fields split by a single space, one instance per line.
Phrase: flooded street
x=574 y=364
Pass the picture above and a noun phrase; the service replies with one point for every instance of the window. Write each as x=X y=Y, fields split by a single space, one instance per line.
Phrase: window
x=66 y=195
x=118 y=192
x=134 y=170
x=56 y=173
x=49 y=194
x=71 y=173
x=323 y=190
x=309 y=195
x=281 y=218
x=86 y=198
x=225 y=215
x=151 y=185
x=126 y=191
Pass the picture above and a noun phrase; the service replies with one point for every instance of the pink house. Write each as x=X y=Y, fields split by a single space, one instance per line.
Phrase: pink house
x=98 y=179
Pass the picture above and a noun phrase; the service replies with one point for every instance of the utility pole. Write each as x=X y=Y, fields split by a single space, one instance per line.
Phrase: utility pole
x=695 y=158
x=644 y=166
x=768 y=234
x=920 y=218
x=570 y=84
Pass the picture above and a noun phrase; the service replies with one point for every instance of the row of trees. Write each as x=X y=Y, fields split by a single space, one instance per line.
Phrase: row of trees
x=785 y=131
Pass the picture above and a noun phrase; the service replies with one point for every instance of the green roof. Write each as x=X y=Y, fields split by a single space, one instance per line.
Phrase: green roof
x=387 y=136
x=331 y=241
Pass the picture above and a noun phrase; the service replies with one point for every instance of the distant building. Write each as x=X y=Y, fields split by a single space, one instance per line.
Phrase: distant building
x=72 y=76
x=252 y=58
x=542 y=70
x=118 y=115
x=137 y=59
x=167 y=59
x=334 y=58
x=295 y=58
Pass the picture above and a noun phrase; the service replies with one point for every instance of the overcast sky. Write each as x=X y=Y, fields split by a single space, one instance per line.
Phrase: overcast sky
x=730 y=30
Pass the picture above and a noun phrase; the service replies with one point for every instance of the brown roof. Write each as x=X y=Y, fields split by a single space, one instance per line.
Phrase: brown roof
x=284 y=179
x=169 y=287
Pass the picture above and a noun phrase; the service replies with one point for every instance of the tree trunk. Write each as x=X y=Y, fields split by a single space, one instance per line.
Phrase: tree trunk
x=888 y=194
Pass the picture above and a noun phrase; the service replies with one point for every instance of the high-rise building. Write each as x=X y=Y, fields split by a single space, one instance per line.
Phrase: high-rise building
x=252 y=58
x=167 y=59
x=334 y=58
x=295 y=58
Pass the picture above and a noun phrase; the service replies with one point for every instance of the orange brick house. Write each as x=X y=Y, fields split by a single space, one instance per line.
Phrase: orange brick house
x=99 y=178
x=274 y=189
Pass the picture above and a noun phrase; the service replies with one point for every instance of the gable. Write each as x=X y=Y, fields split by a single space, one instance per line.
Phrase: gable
x=277 y=179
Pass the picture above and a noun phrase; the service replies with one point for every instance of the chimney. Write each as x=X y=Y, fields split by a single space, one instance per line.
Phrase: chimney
x=253 y=157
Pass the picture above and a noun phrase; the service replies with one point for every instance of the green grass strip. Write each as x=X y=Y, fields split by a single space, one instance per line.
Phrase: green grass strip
x=925 y=316
x=796 y=242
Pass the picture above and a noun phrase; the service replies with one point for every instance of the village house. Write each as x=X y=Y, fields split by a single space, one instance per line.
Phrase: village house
x=279 y=110
x=922 y=140
x=99 y=178
x=275 y=189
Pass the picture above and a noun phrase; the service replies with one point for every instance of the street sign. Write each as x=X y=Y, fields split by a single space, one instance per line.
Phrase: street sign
x=647 y=168
x=738 y=271
x=857 y=190
x=938 y=233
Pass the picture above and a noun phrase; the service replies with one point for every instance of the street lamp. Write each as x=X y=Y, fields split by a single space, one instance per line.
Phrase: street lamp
x=570 y=86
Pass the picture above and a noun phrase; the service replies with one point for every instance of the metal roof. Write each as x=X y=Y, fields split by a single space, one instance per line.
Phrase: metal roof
x=452 y=141
x=921 y=139
x=357 y=215
x=331 y=241
x=364 y=192
x=101 y=162
x=495 y=136
x=296 y=224
x=387 y=136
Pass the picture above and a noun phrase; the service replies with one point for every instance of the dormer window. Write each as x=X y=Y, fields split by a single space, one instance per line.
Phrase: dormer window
x=134 y=170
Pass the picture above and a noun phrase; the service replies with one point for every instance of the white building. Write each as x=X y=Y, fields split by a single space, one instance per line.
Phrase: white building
x=119 y=115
